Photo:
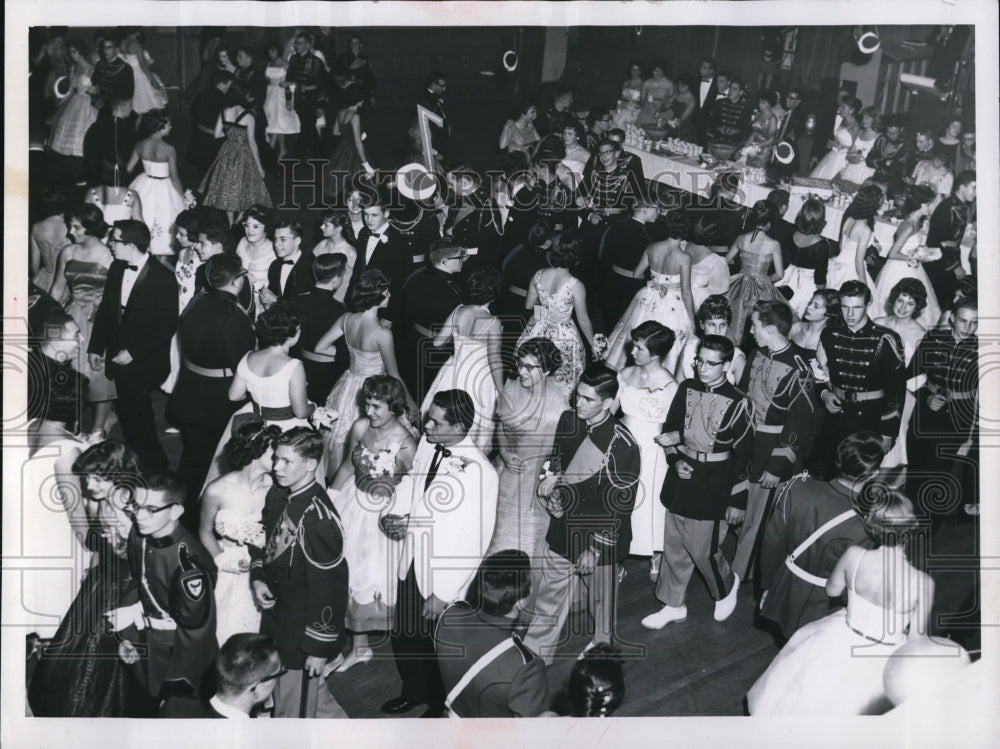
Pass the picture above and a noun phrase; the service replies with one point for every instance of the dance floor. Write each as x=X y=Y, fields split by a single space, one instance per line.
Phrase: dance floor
x=699 y=667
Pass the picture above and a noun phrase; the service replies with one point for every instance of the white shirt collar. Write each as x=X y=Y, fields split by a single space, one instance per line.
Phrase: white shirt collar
x=294 y=257
x=139 y=264
x=227 y=711
x=381 y=230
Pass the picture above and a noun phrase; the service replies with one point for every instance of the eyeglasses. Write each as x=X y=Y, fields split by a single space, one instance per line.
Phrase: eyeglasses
x=699 y=362
x=278 y=675
x=463 y=256
x=135 y=510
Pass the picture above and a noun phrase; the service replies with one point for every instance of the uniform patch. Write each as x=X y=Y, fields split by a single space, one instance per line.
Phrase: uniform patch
x=194 y=586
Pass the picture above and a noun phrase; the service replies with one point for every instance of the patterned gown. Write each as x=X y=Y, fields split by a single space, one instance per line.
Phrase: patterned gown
x=232 y=182
x=661 y=301
x=553 y=319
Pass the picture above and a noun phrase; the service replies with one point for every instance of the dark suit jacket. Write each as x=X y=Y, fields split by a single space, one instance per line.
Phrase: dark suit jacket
x=699 y=118
x=300 y=280
x=392 y=257
x=188 y=707
x=145 y=327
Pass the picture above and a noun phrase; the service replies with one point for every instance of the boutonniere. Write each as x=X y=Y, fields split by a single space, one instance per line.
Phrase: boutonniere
x=190 y=201
x=456 y=464
x=323 y=418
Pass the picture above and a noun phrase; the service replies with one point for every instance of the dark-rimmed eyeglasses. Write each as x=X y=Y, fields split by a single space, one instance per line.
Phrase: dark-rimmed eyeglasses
x=135 y=510
x=699 y=362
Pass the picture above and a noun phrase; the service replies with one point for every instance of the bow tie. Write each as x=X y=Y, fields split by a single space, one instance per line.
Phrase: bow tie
x=131 y=267
x=288 y=262
x=444 y=451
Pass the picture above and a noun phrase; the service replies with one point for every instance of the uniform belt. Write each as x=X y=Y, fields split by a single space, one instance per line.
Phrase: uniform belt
x=518 y=290
x=952 y=395
x=858 y=397
x=206 y=371
x=704 y=457
x=803 y=575
x=770 y=428
x=207 y=130
x=622 y=271
x=313 y=356
x=164 y=625
x=422 y=330
x=270 y=413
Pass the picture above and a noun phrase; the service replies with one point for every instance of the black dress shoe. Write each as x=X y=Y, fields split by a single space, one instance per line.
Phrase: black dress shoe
x=399 y=705
x=434 y=711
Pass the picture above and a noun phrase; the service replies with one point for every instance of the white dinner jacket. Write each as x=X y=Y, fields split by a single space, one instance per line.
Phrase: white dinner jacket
x=451 y=523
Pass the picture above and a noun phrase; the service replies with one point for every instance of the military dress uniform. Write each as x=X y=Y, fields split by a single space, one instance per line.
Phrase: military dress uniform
x=866 y=373
x=304 y=567
x=945 y=231
x=780 y=386
x=214 y=334
x=600 y=466
x=713 y=431
x=813 y=523
x=945 y=442
x=512 y=682
x=429 y=296
x=174 y=607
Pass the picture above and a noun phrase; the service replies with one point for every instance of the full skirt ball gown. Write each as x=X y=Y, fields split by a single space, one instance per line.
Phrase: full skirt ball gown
x=86 y=287
x=553 y=319
x=74 y=118
x=372 y=557
x=468 y=369
x=896 y=270
x=661 y=301
x=233 y=182
x=161 y=204
x=836 y=159
x=281 y=119
x=345 y=401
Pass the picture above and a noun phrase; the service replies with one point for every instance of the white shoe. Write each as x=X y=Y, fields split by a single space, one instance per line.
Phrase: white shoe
x=725 y=607
x=664 y=616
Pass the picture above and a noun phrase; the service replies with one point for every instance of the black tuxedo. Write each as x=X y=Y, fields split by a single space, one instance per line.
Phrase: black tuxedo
x=699 y=118
x=428 y=297
x=300 y=280
x=393 y=257
x=144 y=327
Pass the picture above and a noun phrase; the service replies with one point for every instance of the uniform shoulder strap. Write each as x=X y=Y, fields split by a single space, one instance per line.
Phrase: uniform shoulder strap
x=486 y=659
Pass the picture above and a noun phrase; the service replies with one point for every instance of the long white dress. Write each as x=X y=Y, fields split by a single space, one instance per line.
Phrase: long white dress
x=256 y=262
x=280 y=119
x=836 y=159
x=833 y=666
x=644 y=412
x=468 y=369
x=55 y=559
x=710 y=275
x=235 y=609
x=659 y=300
x=893 y=272
x=75 y=115
x=148 y=94
x=161 y=203
x=841 y=268
x=857 y=173
x=345 y=400
x=372 y=557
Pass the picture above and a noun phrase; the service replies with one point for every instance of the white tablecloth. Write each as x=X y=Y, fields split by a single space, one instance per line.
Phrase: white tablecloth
x=687 y=174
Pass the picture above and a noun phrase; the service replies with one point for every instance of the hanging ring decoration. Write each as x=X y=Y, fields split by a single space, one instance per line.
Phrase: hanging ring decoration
x=509 y=60
x=869 y=41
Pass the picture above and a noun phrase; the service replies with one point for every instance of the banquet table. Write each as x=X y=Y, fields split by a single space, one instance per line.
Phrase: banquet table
x=685 y=173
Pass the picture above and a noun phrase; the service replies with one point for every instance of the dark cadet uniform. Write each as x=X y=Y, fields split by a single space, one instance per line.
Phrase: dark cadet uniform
x=176 y=578
x=796 y=558
x=780 y=385
x=600 y=464
x=866 y=372
x=319 y=310
x=944 y=443
x=620 y=250
x=945 y=231
x=713 y=429
x=512 y=684
x=304 y=567
x=429 y=296
x=214 y=334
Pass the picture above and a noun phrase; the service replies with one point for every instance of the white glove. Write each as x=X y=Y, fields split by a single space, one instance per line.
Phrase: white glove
x=125 y=617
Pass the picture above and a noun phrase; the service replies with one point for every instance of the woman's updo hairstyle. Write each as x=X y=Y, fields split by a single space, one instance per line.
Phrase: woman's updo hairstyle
x=277 y=324
x=250 y=441
x=388 y=390
x=370 y=291
x=91 y=218
x=483 y=286
x=154 y=121
x=565 y=251
x=596 y=684
x=544 y=351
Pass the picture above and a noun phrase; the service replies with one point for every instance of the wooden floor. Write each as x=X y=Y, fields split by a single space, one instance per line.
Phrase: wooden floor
x=696 y=668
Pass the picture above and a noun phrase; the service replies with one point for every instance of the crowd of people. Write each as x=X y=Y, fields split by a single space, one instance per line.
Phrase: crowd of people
x=457 y=413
